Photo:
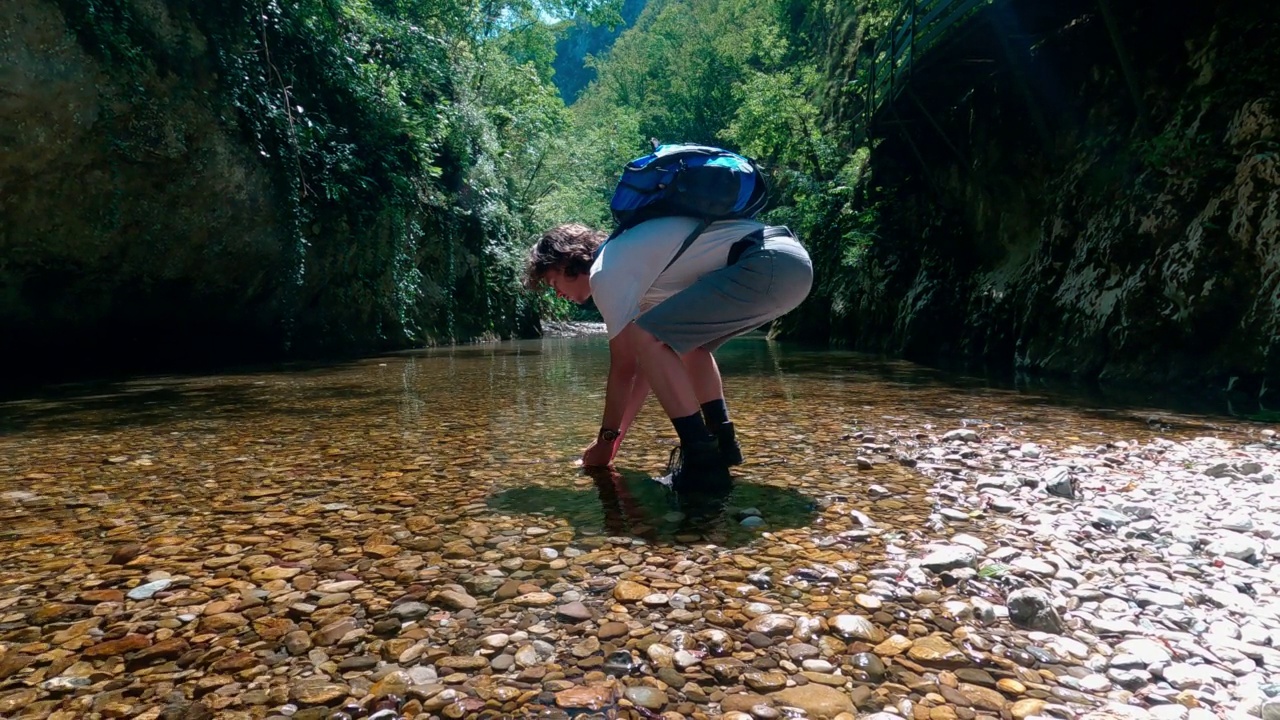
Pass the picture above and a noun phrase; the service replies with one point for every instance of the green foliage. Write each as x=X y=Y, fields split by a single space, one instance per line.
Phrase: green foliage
x=1180 y=149
x=108 y=29
x=993 y=570
x=583 y=164
x=407 y=141
x=741 y=74
x=679 y=69
x=417 y=147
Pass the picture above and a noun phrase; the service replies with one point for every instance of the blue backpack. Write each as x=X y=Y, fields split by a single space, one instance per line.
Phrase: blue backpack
x=691 y=180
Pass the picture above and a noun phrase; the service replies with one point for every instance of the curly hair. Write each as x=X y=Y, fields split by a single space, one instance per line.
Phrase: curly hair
x=570 y=247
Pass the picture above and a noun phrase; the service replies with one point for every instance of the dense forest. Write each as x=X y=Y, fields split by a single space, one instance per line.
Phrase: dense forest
x=1087 y=190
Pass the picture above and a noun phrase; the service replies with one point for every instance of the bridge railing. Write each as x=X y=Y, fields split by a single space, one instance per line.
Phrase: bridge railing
x=916 y=27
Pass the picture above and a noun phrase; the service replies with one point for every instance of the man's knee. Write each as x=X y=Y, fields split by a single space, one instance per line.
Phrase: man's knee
x=695 y=354
x=644 y=340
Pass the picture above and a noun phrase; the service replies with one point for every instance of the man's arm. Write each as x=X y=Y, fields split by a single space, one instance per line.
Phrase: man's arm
x=625 y=392
x=635 y=401
x=623 y=367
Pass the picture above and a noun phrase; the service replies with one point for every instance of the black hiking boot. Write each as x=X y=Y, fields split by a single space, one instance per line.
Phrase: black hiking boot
x=697 y=466
x=730 y=450
x=705 y=507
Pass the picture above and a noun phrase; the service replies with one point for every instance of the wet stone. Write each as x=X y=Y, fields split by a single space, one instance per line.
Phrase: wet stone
x=410 y=611
x=816 y=701
x=764 y=682
x=316 y=558
x=317 y=692
x=618 y=664
x=611 y=630
x=147 y=590
x=671 y=677
x=573 y=612
x=647 y=697
x=798 y=652
x=585 y=698
x=857 y=627
x=772 y=625
x=869 y=664
x=934 y=649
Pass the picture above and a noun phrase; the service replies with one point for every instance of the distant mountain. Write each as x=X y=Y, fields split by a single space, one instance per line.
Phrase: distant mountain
x=580 y=39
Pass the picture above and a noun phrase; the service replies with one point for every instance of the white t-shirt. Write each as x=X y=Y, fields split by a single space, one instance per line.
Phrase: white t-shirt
x=627 y=277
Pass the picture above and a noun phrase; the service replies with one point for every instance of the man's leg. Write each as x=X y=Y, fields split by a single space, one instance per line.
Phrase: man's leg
x=672 y=384
x=709 y=388
x=705 y=375
x=667 y=375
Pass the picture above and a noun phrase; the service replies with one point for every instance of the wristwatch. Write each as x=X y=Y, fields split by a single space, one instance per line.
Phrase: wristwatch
x=609 y=435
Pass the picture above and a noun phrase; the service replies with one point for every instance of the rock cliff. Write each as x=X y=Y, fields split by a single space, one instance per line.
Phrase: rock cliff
x=198 y=184
x=1039 y=215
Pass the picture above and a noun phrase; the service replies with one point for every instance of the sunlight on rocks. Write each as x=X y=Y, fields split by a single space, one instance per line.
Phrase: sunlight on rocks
x=410 y=537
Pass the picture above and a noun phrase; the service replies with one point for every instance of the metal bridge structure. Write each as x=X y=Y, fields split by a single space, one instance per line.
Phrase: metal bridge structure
x=972 y=38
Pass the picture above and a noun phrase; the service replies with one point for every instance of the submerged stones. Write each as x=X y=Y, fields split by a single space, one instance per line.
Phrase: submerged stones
x=286 y=567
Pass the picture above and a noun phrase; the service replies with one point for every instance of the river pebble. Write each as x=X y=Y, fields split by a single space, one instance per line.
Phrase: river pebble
x=968 y=568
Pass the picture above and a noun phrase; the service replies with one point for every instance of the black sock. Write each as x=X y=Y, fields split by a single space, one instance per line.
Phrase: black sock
x=715 y=412
x=691 y=429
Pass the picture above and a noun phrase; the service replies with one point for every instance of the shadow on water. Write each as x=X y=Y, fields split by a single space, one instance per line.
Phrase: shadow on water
x=631 y=503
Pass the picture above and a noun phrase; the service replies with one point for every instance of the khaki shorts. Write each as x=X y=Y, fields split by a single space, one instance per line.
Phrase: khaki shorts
x=770 y=277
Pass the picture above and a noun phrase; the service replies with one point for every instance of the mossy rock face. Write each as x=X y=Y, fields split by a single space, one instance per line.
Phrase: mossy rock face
x=158 y=207
x=1106 y=249
x=128 y=204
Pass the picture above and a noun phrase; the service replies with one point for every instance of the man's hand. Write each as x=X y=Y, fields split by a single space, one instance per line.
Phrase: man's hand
x=598 y=453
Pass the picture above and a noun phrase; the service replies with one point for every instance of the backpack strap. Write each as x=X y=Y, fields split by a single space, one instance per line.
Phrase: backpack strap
x=702 y=225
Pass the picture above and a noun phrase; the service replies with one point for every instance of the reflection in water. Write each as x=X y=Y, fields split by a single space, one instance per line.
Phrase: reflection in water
x=632 y=503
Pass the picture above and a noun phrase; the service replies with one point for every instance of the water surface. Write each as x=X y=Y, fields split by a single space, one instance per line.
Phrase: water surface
x=493 y=431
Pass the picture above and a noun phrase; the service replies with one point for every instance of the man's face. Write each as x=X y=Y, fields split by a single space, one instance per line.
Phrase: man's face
x=575 y=289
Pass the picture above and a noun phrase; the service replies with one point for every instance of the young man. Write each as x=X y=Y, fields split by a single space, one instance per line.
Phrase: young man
x=666 y=312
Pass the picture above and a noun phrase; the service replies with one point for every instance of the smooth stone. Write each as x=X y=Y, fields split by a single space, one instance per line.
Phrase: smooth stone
x=618 y=664
x=584 y=698
x=410 y=611
x=574 y=612
x=818 y=702
x=317 y=691
x=646 y=697
x=1147 y=652
x=950 y=557
x=628 y=591
x=764 y=682
x=856 y=627
x=934 y=649
x=147 y=590
x=868 y=663
x=611 y=630
x=1027 y=708
x=455 y=600
x=773 y=625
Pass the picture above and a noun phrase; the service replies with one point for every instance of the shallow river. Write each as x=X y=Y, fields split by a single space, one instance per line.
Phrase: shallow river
x=486 y=429
x=253 y=493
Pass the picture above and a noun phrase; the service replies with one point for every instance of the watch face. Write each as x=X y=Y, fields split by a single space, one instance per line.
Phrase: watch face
x=609 y=435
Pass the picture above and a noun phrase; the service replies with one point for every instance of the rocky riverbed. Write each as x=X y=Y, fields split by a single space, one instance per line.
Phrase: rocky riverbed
x=953 y=570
